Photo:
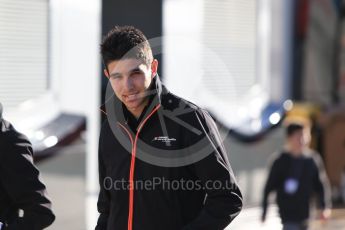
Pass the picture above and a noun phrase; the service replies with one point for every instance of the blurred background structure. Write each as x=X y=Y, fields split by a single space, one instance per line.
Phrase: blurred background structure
x=253 y=64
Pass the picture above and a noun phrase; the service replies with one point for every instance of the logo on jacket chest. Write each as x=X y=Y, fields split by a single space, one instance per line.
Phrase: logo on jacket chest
x=163 y=139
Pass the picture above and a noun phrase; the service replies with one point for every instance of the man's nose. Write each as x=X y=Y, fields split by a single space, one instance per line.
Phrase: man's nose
x=129 y=83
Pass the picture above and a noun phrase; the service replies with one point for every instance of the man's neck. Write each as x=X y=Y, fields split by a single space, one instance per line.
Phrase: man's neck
x=294 y=151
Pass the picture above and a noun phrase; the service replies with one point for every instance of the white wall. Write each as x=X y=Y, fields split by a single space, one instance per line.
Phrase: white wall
x=75 y=37
x=210 y=54
x=75 y=76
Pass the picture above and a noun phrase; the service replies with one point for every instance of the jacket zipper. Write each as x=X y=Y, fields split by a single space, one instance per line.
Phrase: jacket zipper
x=131 y=170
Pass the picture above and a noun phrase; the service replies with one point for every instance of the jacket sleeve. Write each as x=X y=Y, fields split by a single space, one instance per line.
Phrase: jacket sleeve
x=20 y=179
x=223 y=197
x=271 y=184
x=103 y=203
x=321 y=183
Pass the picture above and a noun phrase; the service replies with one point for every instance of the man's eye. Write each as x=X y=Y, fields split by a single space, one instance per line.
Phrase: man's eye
x=115 y=77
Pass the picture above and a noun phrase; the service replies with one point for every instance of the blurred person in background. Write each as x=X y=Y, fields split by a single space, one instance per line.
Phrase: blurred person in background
x=141 y=99
x=296 y=174
x=23 y=201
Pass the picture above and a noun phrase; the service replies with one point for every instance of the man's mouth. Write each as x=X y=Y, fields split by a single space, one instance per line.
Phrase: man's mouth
x=131 y=97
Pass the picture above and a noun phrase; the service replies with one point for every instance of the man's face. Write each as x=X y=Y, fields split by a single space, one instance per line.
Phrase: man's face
x=130 y=79
x=299 y=139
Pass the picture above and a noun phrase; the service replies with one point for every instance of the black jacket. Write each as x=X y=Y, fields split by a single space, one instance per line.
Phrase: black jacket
x=20 y=187
x=169 y=205
x=309 y=172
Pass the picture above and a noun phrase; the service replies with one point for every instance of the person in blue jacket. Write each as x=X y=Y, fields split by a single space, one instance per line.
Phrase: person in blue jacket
x=296 y=174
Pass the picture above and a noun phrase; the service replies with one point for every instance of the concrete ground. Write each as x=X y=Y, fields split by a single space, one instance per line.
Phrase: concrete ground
x=64 y=176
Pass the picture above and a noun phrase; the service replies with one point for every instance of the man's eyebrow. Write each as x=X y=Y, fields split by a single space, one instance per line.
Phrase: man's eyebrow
x=136 y=69
x=115 y=74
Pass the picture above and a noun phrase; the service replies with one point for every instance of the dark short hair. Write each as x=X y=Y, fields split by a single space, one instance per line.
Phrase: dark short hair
x=291 y=129
x=125 y=42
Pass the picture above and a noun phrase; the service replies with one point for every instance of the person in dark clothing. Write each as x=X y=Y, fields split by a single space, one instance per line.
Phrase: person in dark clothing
x=192 y=189
x=296 y=174
x=23 y=201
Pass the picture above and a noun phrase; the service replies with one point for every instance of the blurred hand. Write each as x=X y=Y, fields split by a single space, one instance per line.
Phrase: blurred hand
x=325 y=214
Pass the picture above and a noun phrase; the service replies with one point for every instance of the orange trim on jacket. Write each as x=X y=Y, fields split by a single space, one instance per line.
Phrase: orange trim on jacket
x=131 y=170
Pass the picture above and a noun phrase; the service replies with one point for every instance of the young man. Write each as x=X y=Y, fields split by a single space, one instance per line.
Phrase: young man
x=295 y=175
x=194 y=194
x=20 y=187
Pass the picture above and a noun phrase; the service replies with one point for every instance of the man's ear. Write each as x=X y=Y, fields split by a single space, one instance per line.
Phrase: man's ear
x=106 y=73
x=154 y=68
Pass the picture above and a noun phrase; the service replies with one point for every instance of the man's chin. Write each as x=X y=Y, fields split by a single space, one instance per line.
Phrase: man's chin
x=135 y=105
x=132 y=106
